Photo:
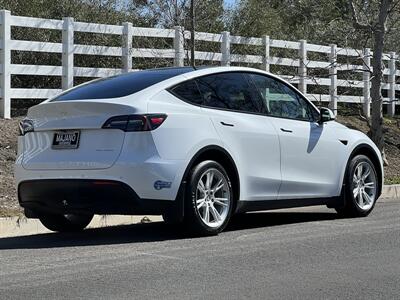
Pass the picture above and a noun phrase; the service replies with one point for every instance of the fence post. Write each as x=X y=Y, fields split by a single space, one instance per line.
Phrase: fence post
x=303 y=67
x=392 y=84
x=5 y=61
x=127 y=46
x=333 y=76
x=68 y=53
x=366 y=80
x=265 y=40
x=179 y=59
x=226 y=49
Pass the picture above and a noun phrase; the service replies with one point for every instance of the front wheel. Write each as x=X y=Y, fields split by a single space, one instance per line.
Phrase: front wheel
x=361 y=188
x=65 y=223
x=209 y=199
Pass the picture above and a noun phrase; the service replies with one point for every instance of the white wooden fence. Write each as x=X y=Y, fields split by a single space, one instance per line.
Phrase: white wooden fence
x=300 y=63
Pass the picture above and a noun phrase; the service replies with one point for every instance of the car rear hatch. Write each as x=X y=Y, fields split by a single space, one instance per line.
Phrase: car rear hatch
x=69 y=135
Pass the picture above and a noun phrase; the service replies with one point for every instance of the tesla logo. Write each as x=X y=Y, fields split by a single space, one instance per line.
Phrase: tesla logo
x=158 y=185
x=65 y=203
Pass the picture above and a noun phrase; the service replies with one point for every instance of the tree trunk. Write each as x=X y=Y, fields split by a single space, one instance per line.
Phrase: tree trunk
x=379 y=31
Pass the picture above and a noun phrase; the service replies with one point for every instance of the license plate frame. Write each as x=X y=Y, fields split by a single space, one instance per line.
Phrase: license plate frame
x=66 y=140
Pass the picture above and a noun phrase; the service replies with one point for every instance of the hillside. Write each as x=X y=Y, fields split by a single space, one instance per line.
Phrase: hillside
x=8 y=148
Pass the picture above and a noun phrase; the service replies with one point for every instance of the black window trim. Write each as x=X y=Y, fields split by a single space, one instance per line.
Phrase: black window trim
x=311 y=120
x=250 y=82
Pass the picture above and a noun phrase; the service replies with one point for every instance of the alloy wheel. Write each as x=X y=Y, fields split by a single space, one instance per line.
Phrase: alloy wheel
x=364 y=185
x=213 y=198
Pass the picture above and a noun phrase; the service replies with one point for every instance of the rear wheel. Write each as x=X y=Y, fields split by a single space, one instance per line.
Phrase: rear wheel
x=361 y=188
x=209 y=199
x=65 y=223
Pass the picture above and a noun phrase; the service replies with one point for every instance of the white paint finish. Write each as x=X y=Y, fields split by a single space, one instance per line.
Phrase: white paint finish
x=178 y=46
x=96 y=72
x=183 y=120
x=205 y=36
x=243 y=40
x=392 y=83
x=98 y=50
x=36 y=70
x=5 y=61
x=266 y=45
x=310 y=158
x=127 y=47
x=68 y=53
x=284 y=44
x=226 y=49
x=254 y=145
x=366 y=79
x=303 y=67
x=151 y=53
x=255 y=59
x=34 y=93
x=35 y=46
x=309 y=162
x=98 y=28
x=154 y=32
x=333 y=79
x=36 y=22
x=98 y=149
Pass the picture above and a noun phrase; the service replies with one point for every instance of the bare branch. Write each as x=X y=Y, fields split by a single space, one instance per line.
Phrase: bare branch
x=356 y=22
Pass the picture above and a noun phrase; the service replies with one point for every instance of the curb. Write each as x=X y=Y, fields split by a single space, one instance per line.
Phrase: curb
x=20 y=226
x=390 y=191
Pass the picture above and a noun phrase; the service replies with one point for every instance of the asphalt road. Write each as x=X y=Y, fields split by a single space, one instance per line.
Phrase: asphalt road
x=305 y=253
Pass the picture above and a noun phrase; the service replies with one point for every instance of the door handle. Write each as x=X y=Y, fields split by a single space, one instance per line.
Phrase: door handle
x=286 y=130
x=227 y=124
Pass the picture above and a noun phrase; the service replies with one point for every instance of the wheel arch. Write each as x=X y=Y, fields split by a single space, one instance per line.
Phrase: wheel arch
x=220 y=155
x=368 y=150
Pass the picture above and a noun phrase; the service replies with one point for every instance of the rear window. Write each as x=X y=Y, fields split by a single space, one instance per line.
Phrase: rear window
x=120 y=85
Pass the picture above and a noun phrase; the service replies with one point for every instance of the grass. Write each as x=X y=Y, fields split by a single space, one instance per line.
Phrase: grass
x=6 y=212
x=392 y=180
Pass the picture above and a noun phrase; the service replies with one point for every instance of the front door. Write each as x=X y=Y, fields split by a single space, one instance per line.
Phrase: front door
x=310 y=166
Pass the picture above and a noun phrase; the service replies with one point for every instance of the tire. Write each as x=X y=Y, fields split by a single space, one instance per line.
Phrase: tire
x=361 y=188
x=65 y=223
x=217 y=196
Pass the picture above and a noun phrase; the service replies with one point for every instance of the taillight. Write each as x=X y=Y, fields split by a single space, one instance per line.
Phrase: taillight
x=25 y=126
x=130 y=123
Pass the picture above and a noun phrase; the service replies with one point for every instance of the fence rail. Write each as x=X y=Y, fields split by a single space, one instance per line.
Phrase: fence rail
x=300 y=66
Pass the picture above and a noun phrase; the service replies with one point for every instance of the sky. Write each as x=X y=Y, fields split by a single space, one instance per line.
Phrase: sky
x=229 y=2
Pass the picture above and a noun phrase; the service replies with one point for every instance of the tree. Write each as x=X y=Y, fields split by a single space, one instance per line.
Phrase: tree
x=372 y=17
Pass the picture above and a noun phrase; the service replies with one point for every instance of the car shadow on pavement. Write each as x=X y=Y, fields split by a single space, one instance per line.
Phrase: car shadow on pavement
x=154 y=232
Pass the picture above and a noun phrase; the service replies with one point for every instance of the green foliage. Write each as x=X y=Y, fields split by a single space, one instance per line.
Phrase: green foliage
x=393 y=180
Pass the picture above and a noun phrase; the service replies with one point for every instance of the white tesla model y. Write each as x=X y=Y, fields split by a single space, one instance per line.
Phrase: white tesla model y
x=196 y=146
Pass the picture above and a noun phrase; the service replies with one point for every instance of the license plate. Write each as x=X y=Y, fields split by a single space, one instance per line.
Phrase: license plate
x=66 y=140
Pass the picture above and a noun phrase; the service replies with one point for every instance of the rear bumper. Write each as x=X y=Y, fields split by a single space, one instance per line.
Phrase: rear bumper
x=78 y=196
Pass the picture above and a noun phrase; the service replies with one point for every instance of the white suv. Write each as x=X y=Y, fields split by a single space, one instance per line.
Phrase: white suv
x=195 y=145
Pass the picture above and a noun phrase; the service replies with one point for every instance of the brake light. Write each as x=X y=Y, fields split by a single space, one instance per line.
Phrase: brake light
x=25 y=126
x=131 y=123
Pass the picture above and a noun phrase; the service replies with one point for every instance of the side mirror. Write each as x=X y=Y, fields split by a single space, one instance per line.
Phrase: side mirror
x=326 y=115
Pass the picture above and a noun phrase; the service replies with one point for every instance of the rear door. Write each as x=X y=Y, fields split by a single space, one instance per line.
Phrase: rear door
x=310 y=152
x=238 y=116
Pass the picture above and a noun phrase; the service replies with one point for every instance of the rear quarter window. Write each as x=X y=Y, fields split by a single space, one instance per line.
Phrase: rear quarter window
x=188 y=91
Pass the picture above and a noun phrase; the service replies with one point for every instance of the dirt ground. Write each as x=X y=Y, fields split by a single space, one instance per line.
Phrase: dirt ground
x=8 y=149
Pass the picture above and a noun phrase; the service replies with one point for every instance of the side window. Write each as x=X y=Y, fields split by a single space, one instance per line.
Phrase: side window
x=188 y=91
x=282 y=101
x=229 y=91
